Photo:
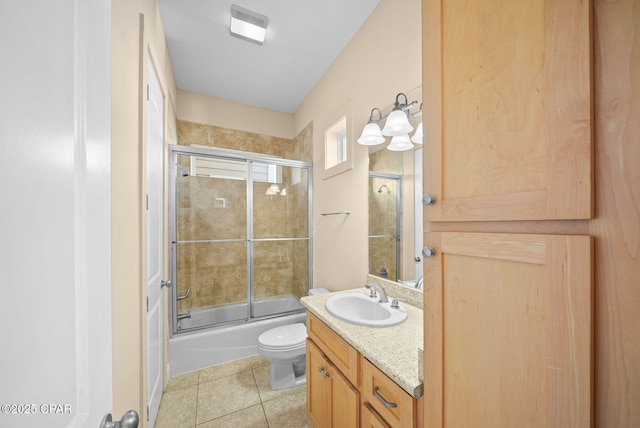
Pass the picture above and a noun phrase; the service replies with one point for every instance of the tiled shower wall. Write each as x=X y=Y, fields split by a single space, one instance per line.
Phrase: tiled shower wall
x=217 y=272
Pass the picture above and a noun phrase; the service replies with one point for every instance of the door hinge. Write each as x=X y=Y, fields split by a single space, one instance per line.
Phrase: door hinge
x=147 y=92
x=147 y=201
x=147 y=413
x=147 y=303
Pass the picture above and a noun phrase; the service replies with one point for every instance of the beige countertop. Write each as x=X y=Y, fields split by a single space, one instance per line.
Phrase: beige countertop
x=394 y=350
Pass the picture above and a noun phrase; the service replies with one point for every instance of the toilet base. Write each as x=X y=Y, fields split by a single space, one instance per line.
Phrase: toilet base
x=287 y=374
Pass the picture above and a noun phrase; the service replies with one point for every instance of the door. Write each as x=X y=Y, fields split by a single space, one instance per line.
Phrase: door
x=318 y=391
x=154 y=251
x=508 y=340
x=507 y=90
x=331 y=400
x=55 y=131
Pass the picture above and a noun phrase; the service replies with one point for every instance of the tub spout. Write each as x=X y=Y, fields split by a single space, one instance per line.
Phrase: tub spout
x=184 y=315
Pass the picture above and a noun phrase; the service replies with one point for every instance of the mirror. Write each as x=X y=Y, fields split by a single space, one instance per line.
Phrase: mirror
x=395 y=210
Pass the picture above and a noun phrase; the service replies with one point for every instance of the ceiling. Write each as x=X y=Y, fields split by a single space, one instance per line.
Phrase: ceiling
x=303 y=39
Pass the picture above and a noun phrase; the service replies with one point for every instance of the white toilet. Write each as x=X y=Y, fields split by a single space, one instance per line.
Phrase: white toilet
x=285 y=348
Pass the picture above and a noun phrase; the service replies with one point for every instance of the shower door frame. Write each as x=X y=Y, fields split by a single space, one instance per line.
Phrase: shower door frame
x=249 y=158
x=398 y=179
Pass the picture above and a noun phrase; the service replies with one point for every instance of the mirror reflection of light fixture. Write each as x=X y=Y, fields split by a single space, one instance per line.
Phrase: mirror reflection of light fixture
x=396 y=125
x=273 y=190
x=248 y=25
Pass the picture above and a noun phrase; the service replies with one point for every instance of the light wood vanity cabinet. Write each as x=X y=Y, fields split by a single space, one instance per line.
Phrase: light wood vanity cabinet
x=345 y=390
x=331 y=400
x=385 y=401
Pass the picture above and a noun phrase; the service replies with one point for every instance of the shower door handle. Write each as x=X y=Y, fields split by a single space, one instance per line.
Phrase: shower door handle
x=184 y=296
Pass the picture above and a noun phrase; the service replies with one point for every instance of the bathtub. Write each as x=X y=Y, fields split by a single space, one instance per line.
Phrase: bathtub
x=195 y=350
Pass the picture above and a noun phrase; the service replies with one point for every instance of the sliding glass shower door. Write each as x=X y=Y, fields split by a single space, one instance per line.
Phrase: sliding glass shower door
x=240 y=236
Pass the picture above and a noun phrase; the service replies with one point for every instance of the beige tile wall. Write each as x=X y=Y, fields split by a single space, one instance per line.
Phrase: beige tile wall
x=217 y=272
x=382 y=212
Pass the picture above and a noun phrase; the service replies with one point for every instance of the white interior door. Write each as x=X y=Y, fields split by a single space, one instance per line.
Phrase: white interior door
x=155 y=151
x=55 y=134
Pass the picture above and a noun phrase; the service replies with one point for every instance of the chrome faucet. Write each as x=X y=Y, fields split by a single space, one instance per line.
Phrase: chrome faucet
x=380 y=288
x=418 y=285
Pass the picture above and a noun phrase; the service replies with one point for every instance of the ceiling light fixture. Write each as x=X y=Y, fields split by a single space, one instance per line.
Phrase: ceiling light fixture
x=248 y=25
x=397 y=126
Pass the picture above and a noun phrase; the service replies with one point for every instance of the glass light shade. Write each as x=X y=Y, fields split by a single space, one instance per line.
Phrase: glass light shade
x=371 y=135
x=397 y=124
x=273 y=190
x=417 y=136
x=400 y=143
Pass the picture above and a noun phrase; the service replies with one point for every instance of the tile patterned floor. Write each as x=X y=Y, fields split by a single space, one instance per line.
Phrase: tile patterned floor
x=234 y=395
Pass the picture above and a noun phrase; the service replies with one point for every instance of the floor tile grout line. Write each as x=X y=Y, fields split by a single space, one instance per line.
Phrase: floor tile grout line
x=260 y=397
x=195 y=421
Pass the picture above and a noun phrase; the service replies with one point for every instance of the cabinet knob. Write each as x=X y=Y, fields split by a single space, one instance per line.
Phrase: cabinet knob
x=320 y=369
x=428 y=200
x=428 y=252
x=325 y=375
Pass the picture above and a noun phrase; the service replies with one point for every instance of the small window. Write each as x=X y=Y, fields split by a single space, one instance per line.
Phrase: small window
x=342 y=146
x=336 y=144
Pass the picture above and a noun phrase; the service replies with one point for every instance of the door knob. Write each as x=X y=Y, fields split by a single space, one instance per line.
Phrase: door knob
x=129 y=420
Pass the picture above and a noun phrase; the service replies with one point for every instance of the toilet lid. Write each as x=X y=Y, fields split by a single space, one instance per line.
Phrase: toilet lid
x=286 y=336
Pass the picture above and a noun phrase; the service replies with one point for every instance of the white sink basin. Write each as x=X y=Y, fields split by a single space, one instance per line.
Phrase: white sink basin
x=360 y=309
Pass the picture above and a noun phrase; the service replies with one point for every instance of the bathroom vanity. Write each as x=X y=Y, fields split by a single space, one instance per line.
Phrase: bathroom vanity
x=362 y=376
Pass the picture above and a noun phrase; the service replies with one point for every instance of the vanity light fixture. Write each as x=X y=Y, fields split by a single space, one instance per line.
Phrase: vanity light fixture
x=396 y=126
x=248 y=25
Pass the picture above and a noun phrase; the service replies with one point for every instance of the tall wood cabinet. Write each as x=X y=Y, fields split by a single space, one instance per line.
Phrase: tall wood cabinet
x=507 y=110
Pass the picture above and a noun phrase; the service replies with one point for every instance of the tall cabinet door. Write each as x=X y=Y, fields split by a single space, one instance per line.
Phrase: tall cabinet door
x=507 y=109
x=508 y=330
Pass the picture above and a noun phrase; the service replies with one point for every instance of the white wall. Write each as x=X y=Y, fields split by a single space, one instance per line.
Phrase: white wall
x=198 y=108
x=382 y=59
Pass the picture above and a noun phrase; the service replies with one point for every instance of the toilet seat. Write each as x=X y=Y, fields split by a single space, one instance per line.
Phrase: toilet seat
x=285 y=338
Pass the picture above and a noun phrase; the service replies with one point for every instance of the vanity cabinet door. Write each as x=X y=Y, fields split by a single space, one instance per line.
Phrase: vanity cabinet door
x=508 y=330
x=507 y=109
x=318 y=391
x=331 y=400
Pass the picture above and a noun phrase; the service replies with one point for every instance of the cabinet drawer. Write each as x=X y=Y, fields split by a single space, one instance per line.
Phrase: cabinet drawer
x=341 y=354
x=370 y=418
x=395 y=405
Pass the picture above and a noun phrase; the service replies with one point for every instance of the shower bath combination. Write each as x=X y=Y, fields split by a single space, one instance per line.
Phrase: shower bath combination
x=240 y=255
x=227 y=233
